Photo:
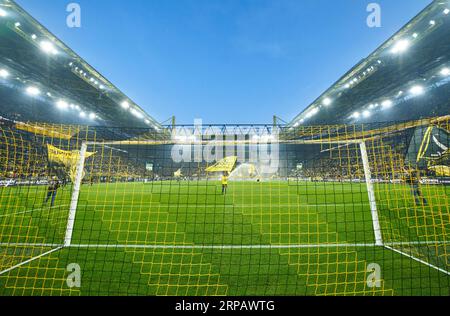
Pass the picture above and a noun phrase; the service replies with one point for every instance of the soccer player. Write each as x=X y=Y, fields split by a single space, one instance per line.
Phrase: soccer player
x=224 y=182
x=413 y=179
x=51 y=191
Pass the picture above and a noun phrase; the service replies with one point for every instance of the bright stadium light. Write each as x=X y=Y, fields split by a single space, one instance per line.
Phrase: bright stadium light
x=400 y=46
x=432 y=22
x=386 y=104
x=136 y=113
x=415 y=35
x=82 y=114
x=4 y=74
x=125 y=105
x=445 y=71
x=17 y=24
x=416 y=90
x=48 y=47
x=446 y=11
x=33 y=36
x=326 y=101
x=61 y=104
x=92 y=116
x=312 y=113
x=366 y=114
x=356 y=115
x=3 y=13
x=33 y=91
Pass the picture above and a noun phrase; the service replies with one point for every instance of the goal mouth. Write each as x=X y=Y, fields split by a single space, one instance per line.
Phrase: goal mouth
x=225 y=210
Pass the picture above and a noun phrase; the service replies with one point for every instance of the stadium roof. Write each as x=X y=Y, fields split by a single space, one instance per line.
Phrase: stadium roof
x=41 y=79
x=406 y=78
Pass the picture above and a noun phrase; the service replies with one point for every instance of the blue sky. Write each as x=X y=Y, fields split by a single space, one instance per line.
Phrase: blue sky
x=225 y=61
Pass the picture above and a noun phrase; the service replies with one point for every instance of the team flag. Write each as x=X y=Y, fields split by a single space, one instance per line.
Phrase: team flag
x=226 y=164
x=177 y=174
x=427 y=146
x=58 y=158
x=441 y=171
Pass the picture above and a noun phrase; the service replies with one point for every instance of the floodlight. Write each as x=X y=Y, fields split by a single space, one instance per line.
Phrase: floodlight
x=17 y=24
x=415 y=35
x=61 y=104
x=432 y=22
x=136 y=113
x=400 y=46
x=445 y=71
x=82 y=114
x=326 y=101
x=417 y=90
x=33 y=91
x=147 y=122
x=48 y=47
x=125 y=104
x=3 y=13
x=3 y=73
x=366 y=114
x=33 y=36
x=386 y=103
x=92 y=116
x=446 y=11
x=356 y=114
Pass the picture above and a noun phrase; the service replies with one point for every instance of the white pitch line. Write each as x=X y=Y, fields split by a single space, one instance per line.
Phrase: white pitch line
x=29 y=260
x=261 y=246
x=24 y=244
x=33 y=210
x=228 y=205
x=418 y=260
x=299 y=246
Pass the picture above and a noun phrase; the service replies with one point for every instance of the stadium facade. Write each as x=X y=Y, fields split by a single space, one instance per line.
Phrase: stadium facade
x=406 y=78
x=43 y=80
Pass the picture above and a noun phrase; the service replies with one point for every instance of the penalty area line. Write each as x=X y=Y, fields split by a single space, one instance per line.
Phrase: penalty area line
x=417 y=259
x=30 y=260
x=256 y=246
x=34 y=210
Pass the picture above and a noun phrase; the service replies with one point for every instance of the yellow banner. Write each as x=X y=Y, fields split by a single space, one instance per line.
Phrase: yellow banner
x=64 y=157
x=67 y=158
x=441 y=171
x=53 y=131
x=226 y=164
x=177 y=174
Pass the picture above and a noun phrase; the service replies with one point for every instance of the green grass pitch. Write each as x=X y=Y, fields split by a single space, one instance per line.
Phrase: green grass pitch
x=186 y=238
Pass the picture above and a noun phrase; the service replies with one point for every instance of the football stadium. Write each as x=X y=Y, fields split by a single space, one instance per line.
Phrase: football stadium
x=349 y=198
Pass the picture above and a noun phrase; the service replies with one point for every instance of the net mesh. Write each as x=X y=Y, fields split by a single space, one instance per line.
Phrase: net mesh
x=293 y=217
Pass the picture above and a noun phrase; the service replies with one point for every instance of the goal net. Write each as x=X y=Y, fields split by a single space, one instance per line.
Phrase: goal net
x=225 y=210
